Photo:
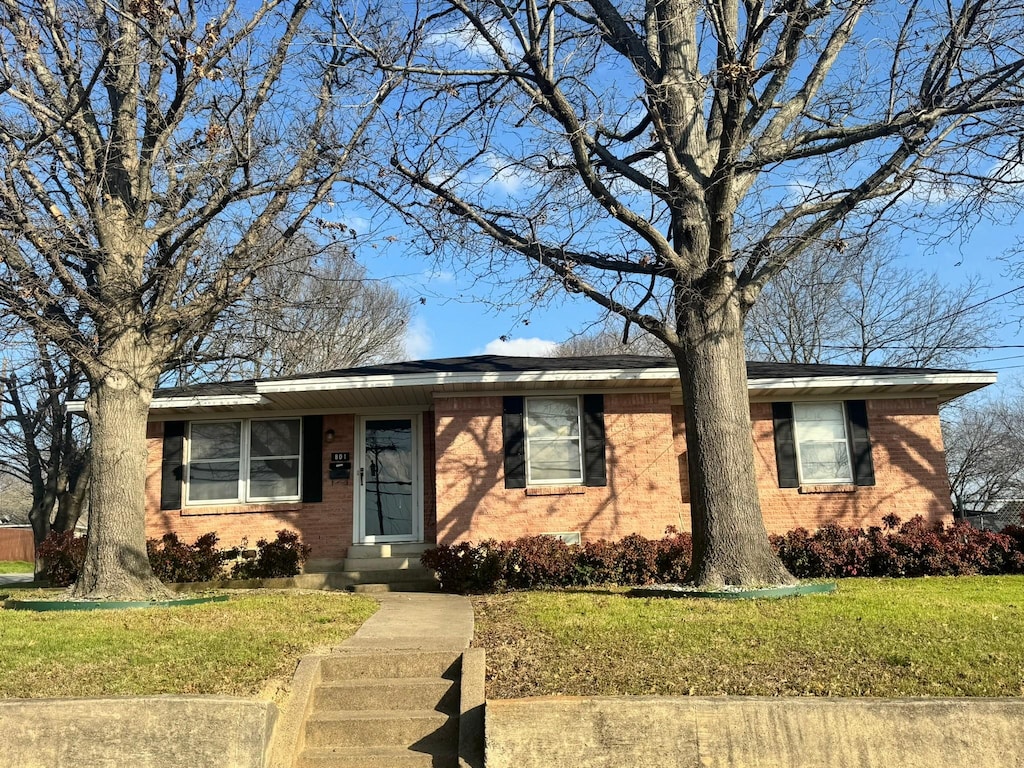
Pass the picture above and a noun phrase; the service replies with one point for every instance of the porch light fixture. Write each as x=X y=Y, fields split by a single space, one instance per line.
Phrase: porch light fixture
x=329 y=436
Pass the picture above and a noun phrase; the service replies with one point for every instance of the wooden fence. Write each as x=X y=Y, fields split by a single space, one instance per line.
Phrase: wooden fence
x=16 y=544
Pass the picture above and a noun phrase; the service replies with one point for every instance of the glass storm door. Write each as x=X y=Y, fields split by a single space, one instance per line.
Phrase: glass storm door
x=388 y=498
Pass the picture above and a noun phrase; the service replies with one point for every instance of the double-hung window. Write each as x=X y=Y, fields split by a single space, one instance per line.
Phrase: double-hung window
x=554 y=454
x=243 y=460
x=822 y=443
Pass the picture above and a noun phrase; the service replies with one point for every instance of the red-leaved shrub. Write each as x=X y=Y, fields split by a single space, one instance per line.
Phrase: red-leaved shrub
x=62 y=555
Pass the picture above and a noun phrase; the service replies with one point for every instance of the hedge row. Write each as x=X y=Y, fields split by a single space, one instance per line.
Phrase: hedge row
x=175 y=561
x=913 y=548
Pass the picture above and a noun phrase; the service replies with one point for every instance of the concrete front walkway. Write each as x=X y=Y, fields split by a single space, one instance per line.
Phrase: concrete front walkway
x=416 y=621
x=15 y=578
x=391 y=695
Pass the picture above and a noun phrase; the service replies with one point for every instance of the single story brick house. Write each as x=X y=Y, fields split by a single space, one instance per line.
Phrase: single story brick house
x=482 y=447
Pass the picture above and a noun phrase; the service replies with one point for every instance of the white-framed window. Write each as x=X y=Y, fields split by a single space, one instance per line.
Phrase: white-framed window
x=554 y=446
x=822 y=443
x=243 y=460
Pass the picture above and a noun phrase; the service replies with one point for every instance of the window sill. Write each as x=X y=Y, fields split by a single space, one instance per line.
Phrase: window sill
x=242 y=509
x=556 y=490
x=829 y=488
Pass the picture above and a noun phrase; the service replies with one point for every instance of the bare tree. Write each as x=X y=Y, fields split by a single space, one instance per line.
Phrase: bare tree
x=985 y=452
x=146 y=150
x=669 y=158
x=315 y=309
x=40 y=444
x=861 y=306
x=609 y=338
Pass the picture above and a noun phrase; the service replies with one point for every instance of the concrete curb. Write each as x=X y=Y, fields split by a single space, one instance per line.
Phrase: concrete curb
x=287 y=740
x=754 y=732
x=144 y=732
x=471 y=709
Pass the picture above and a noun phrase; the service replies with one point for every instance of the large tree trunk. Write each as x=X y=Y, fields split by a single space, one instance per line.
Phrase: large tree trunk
x=730 y=543
x=71 y=497
x=39 y=517
x=116 y=564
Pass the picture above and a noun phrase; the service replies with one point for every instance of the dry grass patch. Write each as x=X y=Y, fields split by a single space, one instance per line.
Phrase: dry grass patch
x=232 y=648
x=874 y=637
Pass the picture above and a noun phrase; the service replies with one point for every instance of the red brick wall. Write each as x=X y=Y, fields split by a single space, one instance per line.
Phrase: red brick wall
x=910 y=472
x=326 y=526
x=642 y=494
x=646 y=459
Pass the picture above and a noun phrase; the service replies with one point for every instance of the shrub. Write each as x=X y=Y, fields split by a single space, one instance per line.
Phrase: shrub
x=175 y=561
x=545 y=561
x=62 y=555
x=897 y=549
x=274 y=559
x=466 y=567
x=538 y=561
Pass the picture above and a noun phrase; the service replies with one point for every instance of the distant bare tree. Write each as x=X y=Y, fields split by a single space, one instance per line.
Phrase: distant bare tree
x=856 y=303
x=315 y=309
x=41 y=445
x=147 y=150
x=15 y=500
x=607 y=339
x=985 y=452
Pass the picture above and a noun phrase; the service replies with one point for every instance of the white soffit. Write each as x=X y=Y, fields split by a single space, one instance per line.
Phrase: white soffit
x=400 y=387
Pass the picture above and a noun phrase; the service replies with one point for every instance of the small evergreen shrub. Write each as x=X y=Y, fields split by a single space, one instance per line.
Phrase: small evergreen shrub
x=533 y=562
x=275 y=559
x=62 y=555
x=175 y=561
x=466 y=567
x=895 y=549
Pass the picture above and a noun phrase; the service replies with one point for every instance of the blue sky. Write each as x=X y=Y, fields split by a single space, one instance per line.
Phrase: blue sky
x=457 y=318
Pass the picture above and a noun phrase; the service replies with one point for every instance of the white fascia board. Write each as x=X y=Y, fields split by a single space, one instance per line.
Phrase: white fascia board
x=878 y=380
x=462 y=377
x=667 y=375
x=208 y=401
x=617 y=374
x=190 y=401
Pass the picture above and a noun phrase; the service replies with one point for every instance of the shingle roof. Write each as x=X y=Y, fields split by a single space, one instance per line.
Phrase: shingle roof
x=498 y=364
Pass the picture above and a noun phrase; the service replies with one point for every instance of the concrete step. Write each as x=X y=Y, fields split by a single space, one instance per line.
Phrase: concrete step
x=385 y=576
x=376 y=757
x=359 y=666
x=384 y=564
x=419 y=585
x=388 y=694
x=420 y=729
x=359 y=551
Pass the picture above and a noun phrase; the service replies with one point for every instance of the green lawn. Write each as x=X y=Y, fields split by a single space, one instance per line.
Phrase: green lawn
x=874 y=637
x=15 y=566
x=230 y=648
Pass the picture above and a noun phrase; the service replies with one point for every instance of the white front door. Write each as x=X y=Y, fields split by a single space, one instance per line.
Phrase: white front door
x=388 y=475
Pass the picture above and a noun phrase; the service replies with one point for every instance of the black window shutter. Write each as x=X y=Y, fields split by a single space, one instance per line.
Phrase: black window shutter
x=172 y=470
x=785 y=445
x=860 y=442
x=594 y=472
x=514 y=438
x=312 y=458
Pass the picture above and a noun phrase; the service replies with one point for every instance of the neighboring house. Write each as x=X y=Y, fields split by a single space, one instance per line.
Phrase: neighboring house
x=499 y=447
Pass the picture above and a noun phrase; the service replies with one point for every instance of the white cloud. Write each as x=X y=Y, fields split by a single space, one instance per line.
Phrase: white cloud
x=532 y=347
x=419 y=341
x=505 y=177
x=467 y=40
